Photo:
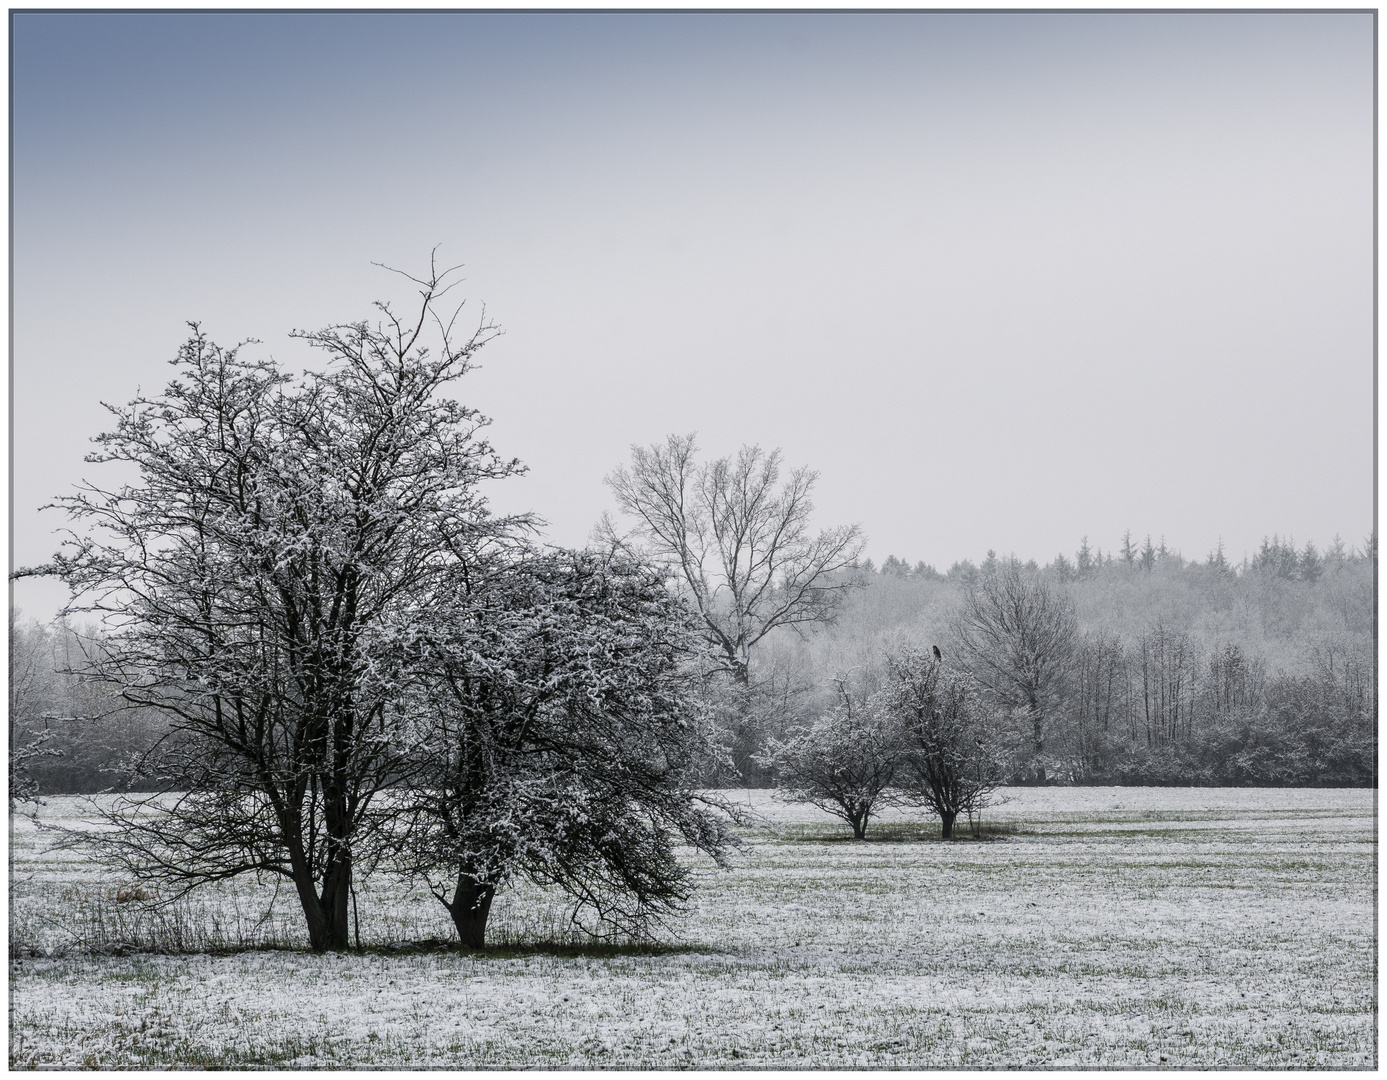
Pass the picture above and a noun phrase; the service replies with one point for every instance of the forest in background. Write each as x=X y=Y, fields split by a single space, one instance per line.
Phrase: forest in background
x=1182 y=672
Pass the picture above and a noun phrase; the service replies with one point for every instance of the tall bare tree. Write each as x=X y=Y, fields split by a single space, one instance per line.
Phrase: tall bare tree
x=1017 y=634
x=737 y=539
x=261 y=580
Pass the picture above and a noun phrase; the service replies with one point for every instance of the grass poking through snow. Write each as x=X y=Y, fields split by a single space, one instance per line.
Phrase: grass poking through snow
x=1111 y=927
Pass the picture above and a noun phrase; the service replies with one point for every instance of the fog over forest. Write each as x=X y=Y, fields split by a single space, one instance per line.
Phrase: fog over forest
x=1186 y=671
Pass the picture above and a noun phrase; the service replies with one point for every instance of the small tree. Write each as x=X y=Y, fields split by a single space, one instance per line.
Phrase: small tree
x=560 y=743
x=954 y=754
x=845 y=762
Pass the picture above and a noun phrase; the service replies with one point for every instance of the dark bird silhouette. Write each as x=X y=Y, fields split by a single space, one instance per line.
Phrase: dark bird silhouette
x=937 y=654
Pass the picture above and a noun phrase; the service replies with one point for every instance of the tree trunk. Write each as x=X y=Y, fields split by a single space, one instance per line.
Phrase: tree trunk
x=948 y=823
x=469 y=909
x=1037 y=728
x=326 y=913
x=318 y=936
x=859 y=827
x=337 y=888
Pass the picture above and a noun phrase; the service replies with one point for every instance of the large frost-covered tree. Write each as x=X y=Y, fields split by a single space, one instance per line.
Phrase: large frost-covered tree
x=561 y=739
x=262 y=577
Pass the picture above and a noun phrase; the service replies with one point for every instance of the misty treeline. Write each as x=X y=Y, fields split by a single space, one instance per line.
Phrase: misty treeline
x=1158 y=669
x=1178 y=672
x=68 y=734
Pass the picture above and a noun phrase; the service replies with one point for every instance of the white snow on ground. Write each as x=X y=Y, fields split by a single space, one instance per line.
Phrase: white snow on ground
x=1114 y=927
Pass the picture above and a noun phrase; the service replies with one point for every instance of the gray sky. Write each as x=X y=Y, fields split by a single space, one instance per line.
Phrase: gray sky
x=1003 y=280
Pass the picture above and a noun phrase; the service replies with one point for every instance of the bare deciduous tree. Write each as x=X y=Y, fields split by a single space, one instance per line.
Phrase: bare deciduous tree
x=1017 y=634
x=738 y=540
x=261 y=581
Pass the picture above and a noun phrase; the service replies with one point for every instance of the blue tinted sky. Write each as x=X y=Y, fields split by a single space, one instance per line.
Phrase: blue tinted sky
x=1003 y=280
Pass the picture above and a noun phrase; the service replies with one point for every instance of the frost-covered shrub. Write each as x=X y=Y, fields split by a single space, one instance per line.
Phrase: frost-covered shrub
x=560 y=741
x=844 y=762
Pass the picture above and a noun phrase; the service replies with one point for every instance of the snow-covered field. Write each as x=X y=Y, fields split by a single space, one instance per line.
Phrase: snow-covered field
x=1107 y=927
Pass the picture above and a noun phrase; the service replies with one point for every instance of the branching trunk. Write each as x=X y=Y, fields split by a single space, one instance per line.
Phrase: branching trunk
x=326 y=913
x=470 y=906
x=859 y=826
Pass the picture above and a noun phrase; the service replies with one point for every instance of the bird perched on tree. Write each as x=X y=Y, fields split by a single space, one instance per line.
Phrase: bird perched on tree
x=937 y=654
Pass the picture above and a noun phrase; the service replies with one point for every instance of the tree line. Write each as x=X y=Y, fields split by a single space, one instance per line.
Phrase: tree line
x=1173 y=671
x=1151 y=669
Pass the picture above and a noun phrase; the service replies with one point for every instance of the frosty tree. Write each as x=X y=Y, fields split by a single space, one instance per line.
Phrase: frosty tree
x=845 y=761
x=561 y=740
x=262 y=580
x=953 y=751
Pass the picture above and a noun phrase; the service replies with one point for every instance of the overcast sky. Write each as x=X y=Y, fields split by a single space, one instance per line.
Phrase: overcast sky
x=1003 y=280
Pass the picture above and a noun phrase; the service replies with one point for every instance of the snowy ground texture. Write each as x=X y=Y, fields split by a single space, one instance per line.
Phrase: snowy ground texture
x=1107 y=927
